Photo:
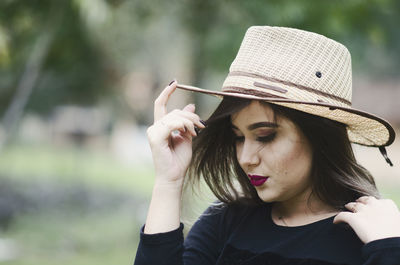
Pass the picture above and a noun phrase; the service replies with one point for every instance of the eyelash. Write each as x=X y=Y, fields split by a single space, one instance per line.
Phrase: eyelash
x=264 y=139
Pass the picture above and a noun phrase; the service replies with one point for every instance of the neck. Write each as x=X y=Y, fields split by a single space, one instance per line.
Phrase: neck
x=301 y=211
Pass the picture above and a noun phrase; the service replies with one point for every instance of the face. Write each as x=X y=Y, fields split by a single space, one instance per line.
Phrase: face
x=273 y=152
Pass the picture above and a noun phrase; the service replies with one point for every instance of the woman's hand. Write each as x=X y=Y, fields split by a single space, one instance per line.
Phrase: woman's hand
x=372 y=219
x=170 y=138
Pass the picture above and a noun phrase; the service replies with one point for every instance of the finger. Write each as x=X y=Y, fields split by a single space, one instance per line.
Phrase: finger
x=190 y=107
x=351 y=206
x=189 y=127
x=365 y=199
x=189 y=115
x=183 y=129
x=355 y=206
x=194 y=117
x=177 y=123
x=183 y=132
x=343 y=217
x=160 y=104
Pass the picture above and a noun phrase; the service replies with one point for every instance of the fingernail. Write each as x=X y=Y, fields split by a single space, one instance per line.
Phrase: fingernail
x=171 y=82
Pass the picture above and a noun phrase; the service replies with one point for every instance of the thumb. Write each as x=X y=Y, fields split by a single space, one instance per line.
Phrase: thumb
x=343 y=217
x=190 y=107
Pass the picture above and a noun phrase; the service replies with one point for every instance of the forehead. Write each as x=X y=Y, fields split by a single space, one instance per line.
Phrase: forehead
x=254 y=112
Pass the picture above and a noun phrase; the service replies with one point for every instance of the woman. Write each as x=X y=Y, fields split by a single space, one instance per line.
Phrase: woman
x=276 y=153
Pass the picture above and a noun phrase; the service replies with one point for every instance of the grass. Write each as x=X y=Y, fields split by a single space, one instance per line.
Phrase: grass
x=93 y=238
x=95 y=168
x=71 y=235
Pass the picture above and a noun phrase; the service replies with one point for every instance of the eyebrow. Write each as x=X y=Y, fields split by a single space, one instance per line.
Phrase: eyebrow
x=258 y=125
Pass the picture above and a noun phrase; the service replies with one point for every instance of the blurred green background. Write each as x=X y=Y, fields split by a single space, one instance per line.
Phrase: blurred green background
x=77 y=82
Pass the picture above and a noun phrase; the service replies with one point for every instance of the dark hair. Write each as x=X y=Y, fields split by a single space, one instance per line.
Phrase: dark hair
x=336 y=176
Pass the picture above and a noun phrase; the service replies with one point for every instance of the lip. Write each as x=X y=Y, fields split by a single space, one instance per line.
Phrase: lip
x=257 y=180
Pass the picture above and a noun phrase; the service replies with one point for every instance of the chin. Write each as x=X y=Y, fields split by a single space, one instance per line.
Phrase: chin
x=267 y=197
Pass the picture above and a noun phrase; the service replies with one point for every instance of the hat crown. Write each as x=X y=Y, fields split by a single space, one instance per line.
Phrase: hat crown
x=296 y=57
x=304 y=71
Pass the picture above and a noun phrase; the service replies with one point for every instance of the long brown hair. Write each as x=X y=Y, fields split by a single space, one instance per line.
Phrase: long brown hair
x=336 y=176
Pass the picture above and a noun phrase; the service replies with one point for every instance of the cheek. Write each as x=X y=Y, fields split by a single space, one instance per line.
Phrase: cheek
x=292 y=158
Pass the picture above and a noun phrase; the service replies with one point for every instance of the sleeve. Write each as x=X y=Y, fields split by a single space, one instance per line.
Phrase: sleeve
x=383 y=252
x=201 y=246
x=162 y=248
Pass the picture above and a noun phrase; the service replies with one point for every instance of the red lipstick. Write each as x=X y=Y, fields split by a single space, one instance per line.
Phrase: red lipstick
x=256 y=180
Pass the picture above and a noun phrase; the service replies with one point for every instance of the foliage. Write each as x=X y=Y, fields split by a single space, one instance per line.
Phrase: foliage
x=361 y=25
x=95 y=40
x=74 y=69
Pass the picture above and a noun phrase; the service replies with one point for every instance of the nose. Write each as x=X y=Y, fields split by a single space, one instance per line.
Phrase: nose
x=247 y=155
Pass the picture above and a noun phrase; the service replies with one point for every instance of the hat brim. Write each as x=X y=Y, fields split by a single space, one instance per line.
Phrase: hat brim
x=362 y=127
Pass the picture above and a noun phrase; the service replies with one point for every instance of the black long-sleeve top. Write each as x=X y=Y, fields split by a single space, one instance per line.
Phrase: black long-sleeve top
x=235 y=235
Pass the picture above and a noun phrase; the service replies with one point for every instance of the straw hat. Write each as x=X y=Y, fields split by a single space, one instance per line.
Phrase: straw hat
x=303 y=71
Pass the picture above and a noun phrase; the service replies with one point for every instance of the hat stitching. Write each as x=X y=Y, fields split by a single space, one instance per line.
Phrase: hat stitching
x=293 y=94
x=251 y=92
x=278 y=89
x=309 y=89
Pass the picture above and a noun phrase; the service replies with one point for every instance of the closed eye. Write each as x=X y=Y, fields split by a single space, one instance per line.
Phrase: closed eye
x=263 y=139
x=266 y=139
